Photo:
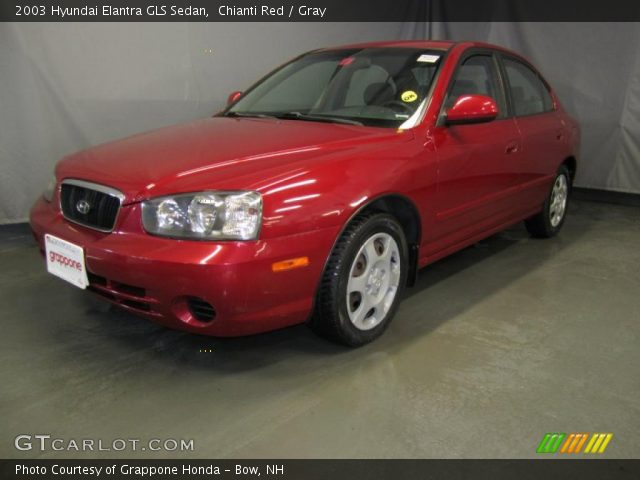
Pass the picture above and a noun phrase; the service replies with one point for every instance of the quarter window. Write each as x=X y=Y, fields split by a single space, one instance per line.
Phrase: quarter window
x=528 y=93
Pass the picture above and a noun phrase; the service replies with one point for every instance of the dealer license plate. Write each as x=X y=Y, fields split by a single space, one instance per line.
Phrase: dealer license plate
x=66 y=260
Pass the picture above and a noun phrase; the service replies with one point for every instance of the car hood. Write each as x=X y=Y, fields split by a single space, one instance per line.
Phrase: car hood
x=218 y=153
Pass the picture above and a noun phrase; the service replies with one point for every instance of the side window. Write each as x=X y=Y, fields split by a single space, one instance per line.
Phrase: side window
x=528 y=93
x=476 y=76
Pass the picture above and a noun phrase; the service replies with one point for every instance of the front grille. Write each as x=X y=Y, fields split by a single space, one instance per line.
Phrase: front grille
x=145 y=307
x=129 y=289
x=90 y=205
x=96 y=279
x=129 y=296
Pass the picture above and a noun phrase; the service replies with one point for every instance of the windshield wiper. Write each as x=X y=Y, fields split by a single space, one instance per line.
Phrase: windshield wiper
x=248 y=115
x=316 y=118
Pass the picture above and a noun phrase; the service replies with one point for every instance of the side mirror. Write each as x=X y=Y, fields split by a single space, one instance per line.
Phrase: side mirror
x=472 y=109
x=233 y=97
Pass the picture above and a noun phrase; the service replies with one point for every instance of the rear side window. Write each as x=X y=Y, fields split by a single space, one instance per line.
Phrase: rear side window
x=476 y=76
x=528 y=93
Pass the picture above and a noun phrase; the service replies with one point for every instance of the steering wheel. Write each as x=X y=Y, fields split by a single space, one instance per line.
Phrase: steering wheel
x=398 y=103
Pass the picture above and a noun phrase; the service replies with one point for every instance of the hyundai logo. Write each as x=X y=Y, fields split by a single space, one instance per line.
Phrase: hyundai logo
x=83 y=207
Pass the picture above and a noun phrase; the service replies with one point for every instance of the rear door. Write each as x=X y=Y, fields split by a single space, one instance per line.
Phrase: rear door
x=540 y=128
x=475 y=174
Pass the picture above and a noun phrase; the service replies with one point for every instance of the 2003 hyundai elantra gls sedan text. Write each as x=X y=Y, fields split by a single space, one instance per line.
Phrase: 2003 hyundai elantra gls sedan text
x=318 y=193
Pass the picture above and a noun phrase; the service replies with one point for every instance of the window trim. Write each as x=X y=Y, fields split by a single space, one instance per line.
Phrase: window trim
x=507 y=85
x=502 y=87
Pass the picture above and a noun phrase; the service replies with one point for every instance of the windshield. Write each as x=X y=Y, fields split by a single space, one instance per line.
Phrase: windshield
x=383 y=87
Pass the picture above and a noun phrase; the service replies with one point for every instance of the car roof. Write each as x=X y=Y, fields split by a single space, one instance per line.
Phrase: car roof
x=436 y=44
x=426 y=44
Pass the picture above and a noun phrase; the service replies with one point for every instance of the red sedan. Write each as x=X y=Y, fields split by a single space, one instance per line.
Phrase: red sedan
x=318 y=193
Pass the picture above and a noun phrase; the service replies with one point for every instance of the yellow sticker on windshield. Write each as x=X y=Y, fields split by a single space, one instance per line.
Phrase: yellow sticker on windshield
x=409 y=96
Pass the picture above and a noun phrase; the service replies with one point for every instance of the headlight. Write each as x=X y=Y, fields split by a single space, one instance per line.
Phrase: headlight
x=205 y=215
x=51 y=188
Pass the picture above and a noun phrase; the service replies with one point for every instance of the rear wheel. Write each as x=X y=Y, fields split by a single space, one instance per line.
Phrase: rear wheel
x=363 y=281
x=549 y=221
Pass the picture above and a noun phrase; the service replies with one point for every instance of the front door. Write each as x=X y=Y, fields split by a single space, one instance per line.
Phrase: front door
x=475 y=174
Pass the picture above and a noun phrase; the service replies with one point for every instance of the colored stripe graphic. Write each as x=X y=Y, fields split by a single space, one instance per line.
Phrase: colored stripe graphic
x=581 y=443
x=566 y=445
x=550 y=442
x=574 y=443
x=598 y=442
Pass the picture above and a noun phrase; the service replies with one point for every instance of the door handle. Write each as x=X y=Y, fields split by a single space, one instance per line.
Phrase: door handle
x=559 y=135
x=511 y=148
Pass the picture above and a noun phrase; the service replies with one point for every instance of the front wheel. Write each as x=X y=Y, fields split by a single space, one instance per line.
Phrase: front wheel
x=363 y=281
x=549 y=221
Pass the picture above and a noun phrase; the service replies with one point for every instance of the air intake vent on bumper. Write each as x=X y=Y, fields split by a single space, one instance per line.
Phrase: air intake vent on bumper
x=201 y=310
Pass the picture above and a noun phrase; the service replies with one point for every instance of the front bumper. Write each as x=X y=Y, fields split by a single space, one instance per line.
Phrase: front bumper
x=154 y=277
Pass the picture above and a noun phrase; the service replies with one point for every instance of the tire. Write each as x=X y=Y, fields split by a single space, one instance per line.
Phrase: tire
x=370 y=260
x=549 y=221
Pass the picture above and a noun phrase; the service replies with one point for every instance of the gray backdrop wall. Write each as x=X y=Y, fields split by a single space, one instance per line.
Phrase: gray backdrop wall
x=64 y=87
x=595 y=68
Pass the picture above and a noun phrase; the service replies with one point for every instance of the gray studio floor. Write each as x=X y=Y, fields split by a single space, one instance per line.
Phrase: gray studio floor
x=496 y=345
